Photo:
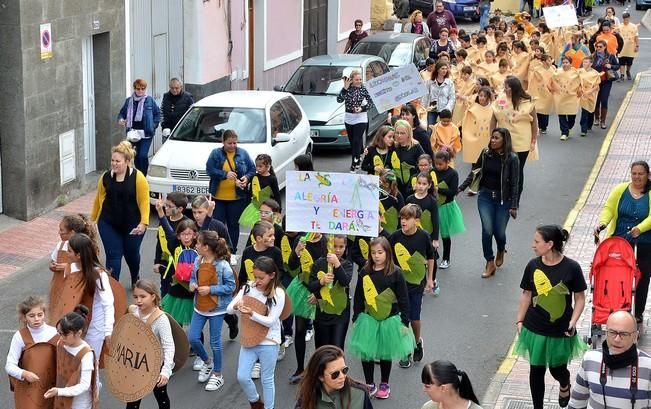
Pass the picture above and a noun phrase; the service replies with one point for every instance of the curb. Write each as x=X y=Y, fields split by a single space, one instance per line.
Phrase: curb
x=506 y=366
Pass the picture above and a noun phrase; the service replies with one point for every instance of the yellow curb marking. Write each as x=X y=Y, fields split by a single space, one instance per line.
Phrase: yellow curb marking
x=509 y=361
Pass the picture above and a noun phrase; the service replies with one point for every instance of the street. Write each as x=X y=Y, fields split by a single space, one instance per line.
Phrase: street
x=470 y=323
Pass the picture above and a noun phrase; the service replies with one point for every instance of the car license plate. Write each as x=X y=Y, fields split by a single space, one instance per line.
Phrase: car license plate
x=314 y=133
x=471 y=8
x=191 y=190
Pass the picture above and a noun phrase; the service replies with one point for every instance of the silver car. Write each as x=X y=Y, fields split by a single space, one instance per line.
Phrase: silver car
x=397 y=49
x=316 y=84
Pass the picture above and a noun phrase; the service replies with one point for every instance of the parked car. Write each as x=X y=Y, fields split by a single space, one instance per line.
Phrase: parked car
x=460 y=8
x=265 y=122
x=642 y=4
x=397 y=49
x=316 y=84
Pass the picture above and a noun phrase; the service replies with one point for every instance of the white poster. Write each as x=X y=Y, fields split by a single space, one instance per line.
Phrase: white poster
x=397 y=87
x=560 y=16
x=334 y=203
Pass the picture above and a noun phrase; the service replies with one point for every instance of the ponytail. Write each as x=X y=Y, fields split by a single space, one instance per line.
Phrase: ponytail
x=446 y=373
x=465 y=387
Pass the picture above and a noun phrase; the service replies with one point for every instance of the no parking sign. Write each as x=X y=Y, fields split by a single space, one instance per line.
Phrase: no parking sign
x=46 y=41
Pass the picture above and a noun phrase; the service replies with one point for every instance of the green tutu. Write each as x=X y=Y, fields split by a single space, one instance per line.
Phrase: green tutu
x=299 y=294
x=546 y=351
x=450 y=220
x=387 y=340
x=180 y=309
x=250 y=215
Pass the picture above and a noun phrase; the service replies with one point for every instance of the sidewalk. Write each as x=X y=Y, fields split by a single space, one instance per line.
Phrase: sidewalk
x=627 y=140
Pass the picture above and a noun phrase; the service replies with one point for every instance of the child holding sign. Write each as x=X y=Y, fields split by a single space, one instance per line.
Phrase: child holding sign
x=380 y=317
x=147 y=299
x=213 y=283
x=329 y=281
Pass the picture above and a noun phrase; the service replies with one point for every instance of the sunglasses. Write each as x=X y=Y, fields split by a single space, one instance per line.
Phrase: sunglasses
x=335 y=374
x=140 y=88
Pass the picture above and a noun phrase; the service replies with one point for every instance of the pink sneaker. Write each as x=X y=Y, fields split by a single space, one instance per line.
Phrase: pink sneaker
x=384 y=391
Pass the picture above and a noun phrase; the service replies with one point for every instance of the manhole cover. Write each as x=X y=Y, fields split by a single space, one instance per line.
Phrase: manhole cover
x=645 y=82
x=524 y=404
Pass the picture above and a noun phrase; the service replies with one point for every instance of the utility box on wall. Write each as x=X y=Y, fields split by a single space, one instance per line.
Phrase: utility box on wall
x=67 y=157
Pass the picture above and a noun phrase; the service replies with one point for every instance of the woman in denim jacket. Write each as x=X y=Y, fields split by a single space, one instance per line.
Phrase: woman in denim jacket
x=140 y=112
x=230 y=170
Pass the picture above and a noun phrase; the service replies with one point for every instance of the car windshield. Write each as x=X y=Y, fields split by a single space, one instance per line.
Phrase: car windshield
x=316 y=80
x=395 y=54
x=207 y=124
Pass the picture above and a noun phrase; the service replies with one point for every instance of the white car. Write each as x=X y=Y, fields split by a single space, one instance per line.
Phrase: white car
x=265 y=122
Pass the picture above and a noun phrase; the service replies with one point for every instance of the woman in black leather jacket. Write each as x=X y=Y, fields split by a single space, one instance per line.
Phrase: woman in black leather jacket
x=497 y=171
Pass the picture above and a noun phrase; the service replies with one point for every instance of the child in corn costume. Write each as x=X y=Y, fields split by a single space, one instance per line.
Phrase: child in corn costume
x=380 y=315
x=263 y=186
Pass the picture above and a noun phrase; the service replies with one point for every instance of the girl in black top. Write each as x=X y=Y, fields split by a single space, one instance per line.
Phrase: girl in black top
x=329 y=281
x=263 y=186
x=391 y=201
x=405 y=161
x=377 y=157
x=450 y=216
x=263 y=234
x=424 y=197
x=497 y=170
x=380 y=317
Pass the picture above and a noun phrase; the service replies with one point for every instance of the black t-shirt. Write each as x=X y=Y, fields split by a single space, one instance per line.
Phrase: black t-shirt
x=251 y=254
x=552 y=289
x=448 y=183
x=491 y=177
x=408 y=158
x=428 y=203
x=343 y=276
x=418 y=242
x=355 y=38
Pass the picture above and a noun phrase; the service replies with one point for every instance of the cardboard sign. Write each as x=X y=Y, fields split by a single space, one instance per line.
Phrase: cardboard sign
x=134 y=362
x=335 y=203
x=560 y=16
x=397 y=87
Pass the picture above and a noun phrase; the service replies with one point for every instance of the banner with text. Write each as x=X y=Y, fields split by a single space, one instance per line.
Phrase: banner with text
x=560 y=16
x=396 y=87
x=335 y=203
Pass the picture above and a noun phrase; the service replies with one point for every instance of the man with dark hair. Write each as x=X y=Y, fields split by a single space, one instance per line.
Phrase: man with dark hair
x=355 y=36
x=440 y=18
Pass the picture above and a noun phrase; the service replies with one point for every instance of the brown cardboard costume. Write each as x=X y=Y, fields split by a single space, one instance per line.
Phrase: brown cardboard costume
x=206 y=276
x=69 y=374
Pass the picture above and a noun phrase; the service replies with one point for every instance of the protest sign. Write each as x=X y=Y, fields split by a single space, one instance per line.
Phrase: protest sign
x=560 y=16
x=334 y=203
x=397 y=87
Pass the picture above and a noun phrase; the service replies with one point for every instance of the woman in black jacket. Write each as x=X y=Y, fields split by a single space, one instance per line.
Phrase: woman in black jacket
x=357 y=102
x=603 y=62
x=497 y=173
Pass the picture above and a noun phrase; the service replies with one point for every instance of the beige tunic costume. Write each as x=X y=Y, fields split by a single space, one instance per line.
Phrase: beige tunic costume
x=539 y=83
x=486 y=70
x=465 y=91
x=476 y=127
x=566 y=89
x=521 y=67
x=628 y=33
x=518 y=122
x=590 y=80
x=497 y=81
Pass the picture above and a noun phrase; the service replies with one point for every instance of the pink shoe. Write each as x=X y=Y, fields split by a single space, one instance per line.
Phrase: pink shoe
x=384 y=391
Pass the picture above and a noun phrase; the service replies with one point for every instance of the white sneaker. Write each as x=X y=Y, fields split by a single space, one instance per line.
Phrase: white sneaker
x=215 y=382
x=197 y=364
x=255 y=372
x=204 y=372
x=444 y=264
x=309 y=335
x=281 y=353
x=288 y=341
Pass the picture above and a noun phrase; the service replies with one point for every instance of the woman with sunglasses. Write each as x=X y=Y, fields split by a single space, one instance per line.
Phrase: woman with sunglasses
x=447 y=387
x=326 y=383
x=140 y=113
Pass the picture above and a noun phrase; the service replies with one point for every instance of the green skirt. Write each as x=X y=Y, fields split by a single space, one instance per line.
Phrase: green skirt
x=180 y=309
x=299 y=294
x=546 y=351
x=250 y=215
x=450 y=220
x=388 y=339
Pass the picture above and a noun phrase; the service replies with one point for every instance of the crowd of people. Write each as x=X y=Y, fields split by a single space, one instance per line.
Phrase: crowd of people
x=489 y=95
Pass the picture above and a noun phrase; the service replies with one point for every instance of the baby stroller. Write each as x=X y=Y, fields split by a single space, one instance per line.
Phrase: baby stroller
x=613 y=278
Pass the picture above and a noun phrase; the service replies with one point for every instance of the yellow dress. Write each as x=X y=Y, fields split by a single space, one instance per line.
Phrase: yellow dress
x=628 y=33
x=486 y=70
x=539 y=82
x=476 y=54
x=566 y=89
x=590 y=80
x=518 y=122
x=464 y=89
x=547 y=41
x=521 y=67
x=497 y=81
x=476 y=127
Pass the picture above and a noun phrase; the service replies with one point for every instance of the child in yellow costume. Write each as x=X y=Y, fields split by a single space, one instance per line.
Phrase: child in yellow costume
x=446 y=135
x=589 y=79
x=540 y=88
x=476 y=125
x=566 y=88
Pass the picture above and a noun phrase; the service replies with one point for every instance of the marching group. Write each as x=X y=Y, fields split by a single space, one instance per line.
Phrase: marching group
x=489 y=96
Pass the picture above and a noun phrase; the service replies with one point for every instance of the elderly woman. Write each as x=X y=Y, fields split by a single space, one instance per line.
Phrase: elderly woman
x=121 y=210
x=416 y=25
x=626 y=214
x=230 y=169
x=327 y=385
x=140 y=116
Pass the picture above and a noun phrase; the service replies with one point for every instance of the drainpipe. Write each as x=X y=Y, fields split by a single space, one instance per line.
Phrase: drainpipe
x=251 y=80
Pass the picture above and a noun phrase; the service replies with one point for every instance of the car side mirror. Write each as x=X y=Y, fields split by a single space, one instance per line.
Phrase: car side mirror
x=421 y=64
x=281 y=137
x=278 y=87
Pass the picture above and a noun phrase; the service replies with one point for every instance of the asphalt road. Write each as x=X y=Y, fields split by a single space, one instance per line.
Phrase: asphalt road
x=470 y=323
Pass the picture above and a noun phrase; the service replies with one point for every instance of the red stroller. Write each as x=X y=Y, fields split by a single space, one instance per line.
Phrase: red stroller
x=613 y=279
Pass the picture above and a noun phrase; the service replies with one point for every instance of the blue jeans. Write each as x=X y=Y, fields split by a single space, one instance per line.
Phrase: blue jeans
x=494 y=218
x=566 y=123
x=194 y=336
x=432 y=116
x=118 y=245
x=142 y=154
x=586 y=120
x=229 y=212
x=266 y=355
x=484 y=12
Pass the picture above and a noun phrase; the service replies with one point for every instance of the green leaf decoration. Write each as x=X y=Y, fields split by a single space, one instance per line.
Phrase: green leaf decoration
x=384 y=301
x=390 y=220
x=426 y=221
x=405 y=172
x=305 y=277
x=292 y=272
x=441 y=198
x=265 y=194
x=339 y=298
x=418 y=269
x=554 y=303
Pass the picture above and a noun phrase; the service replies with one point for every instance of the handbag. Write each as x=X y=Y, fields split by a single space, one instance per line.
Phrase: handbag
x=135 y=135
x=476 y=178
x=612 y=75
